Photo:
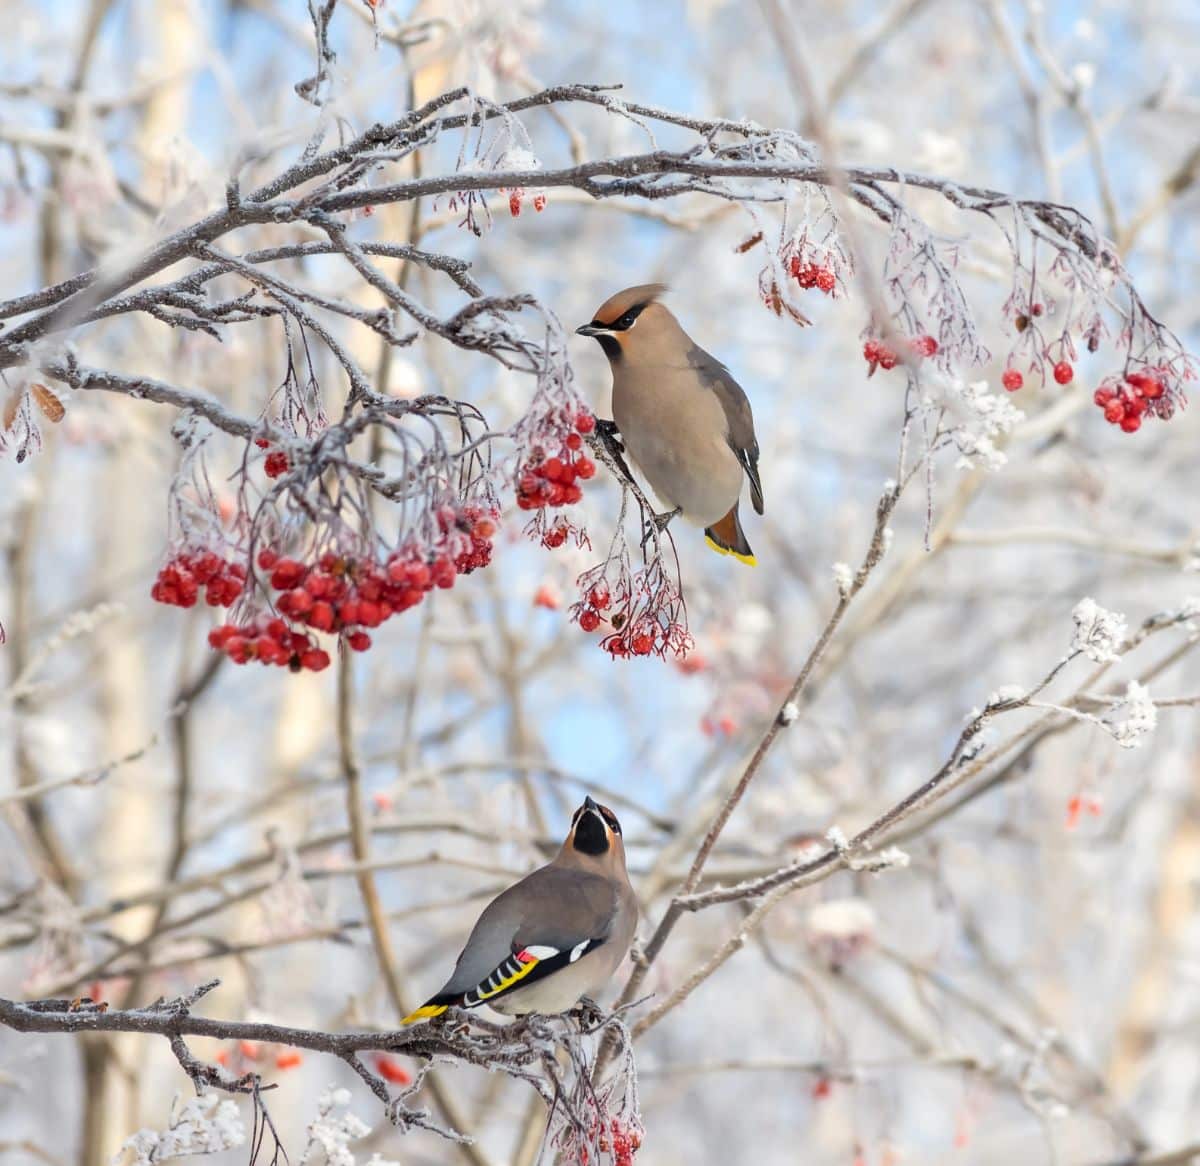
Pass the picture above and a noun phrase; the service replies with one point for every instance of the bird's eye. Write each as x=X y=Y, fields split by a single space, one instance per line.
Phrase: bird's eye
x=627 y=320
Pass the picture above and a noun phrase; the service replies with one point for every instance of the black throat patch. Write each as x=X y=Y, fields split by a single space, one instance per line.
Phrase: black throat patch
x=590 y=834
x=611 y=346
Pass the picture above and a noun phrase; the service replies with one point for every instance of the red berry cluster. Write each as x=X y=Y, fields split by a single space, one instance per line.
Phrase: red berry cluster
x=514 y=201
x=180 y=580
x=597 y=601
x=276 y=463
x=1126 y=402
x=349 y=596
x=269 y=641
x=562 y=529
x=624 y=1143
x=810 y=274
x=638 y=638
x=551 y=481
x=338 y=594
x=473 y=523
x=877 y=354
x=644 y=611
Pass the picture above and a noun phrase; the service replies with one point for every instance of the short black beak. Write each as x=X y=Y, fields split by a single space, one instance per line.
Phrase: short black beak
x=589 y=804
x=589 y=330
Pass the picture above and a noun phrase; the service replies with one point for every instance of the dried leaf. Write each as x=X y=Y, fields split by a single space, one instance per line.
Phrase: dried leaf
x=50 y=405
x=745 y=246
x=11 y=407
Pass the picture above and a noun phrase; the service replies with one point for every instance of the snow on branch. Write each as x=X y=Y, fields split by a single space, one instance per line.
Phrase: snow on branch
x=305 y=501
x=551 y=1054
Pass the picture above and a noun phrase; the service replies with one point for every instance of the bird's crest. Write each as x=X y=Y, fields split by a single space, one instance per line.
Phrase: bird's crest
x=628 y=300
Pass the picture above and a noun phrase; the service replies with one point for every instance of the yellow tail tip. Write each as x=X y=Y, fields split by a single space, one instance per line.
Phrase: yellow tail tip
x=425 y=1012
x=749 y=560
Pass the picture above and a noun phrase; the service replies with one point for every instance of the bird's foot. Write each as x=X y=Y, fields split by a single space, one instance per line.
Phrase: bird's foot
x=661 y=520
x=588 y=1013
x=609 y=436
x=655 y=526
x=608 y=431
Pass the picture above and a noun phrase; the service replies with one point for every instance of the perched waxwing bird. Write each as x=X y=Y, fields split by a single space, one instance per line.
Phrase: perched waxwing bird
x=684 y=420
x=554 y=937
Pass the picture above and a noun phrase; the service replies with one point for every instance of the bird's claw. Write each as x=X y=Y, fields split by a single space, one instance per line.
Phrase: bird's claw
x=661 y=520
x=608 y=431
x=588 y=1013
x=656 y=525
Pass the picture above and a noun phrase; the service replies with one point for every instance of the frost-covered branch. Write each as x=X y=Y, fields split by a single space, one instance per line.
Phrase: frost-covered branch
x=527 y=1050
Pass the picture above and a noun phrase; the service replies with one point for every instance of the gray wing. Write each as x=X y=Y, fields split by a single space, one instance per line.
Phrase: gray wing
x=738 y=415
x=552 y=907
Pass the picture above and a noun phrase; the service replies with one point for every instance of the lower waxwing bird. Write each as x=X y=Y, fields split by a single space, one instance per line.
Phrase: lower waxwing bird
x=555 y=936
x=683 y=418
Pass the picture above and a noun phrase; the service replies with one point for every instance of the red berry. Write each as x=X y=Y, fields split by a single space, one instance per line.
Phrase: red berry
x=585 y=423
x=321 y=617
x=514 y=203
x=370 y=613
x=574 y=441
x=315 y=659
x=220 y=635
x=887 y=359
x=391 y=1070
x=599 y=597
x=1103 y=395
x=1063 y=372
x=261 y=442
x=287 y=574
x=642 y=643
x=206 y=567
x=1012 y=380
x=359 y=641
x=267 y=558
x=585 y=468
x=589 y=620
x=1152 y=388
x=539 y=203
x=1114 y=411
x=276 y=464
x=1131 y=422
x=925 y=345
x=552 y=469
x=299 y=601
x=1036 y=310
